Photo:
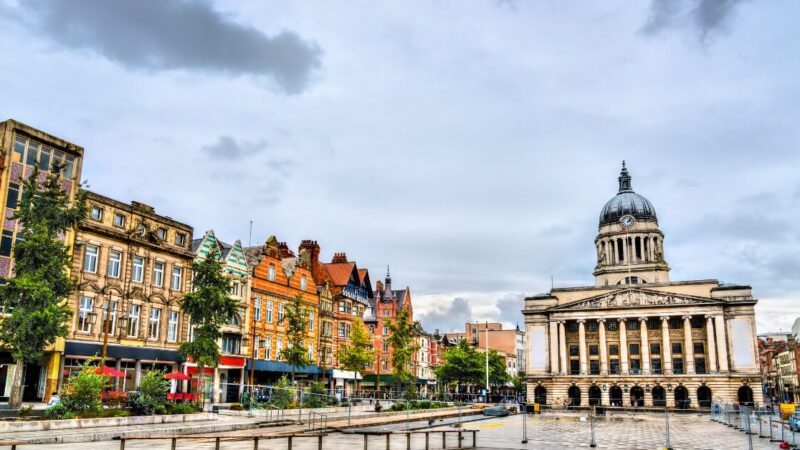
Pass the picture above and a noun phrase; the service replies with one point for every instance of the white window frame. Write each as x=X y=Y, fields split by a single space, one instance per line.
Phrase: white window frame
x=158 y=273
x=138 y=269
x=90 y=256
x=113 y=328
x=269 y=311
x=177 y=278
x=114 y=263
x=303 y=283
x=155 y=318
x=121 y=223
x=271 y=273
x=133 y=320
x=85 y=308
x=281 y=312
x=257 y=309
x=99 y=215
x=172 y=326
x=311 y=351
x=267 y=347
x=311 y=321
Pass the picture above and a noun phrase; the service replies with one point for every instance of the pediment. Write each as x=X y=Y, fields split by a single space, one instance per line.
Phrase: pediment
x=635 y=298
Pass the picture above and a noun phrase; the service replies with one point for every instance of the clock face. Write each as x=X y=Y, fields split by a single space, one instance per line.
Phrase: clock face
x=142 y=230
x=627 y=222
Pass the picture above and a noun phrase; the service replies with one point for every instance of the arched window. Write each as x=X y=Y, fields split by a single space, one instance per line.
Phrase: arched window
x=233 y=319
x=659 y=396
x=745 y=396
x=704 y=396
x=574 y=394
x=594 y=395
x=271 y=273
x=540 y=395
x=637 y=396
x=632 y=280
x=615 y=396
x=682 y=397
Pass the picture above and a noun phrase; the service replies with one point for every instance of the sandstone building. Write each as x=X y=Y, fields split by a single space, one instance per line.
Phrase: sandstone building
x=635 y=337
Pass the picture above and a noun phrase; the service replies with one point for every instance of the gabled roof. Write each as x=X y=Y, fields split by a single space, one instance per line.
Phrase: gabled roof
x=340 y=273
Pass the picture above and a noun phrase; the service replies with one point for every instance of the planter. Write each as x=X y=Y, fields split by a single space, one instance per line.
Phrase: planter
x=71 y=424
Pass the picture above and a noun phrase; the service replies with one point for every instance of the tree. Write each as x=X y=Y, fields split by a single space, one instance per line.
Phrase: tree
x=35 y=297
x=462 y=364
x=208 y=308
x=296 y=353
x=404 y=346
x=359 y=353
x=498 y=375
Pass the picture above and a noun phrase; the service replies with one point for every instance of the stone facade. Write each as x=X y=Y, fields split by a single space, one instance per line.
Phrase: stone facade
x=21 y=148
x=133 y=266
x=635 y=337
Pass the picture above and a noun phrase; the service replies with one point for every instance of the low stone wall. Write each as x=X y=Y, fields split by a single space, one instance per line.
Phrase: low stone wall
x=71 y=424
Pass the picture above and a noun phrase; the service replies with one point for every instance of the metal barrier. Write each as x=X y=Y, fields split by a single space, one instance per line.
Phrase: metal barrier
x=388 y=434
x=317 y=419
x=756 y=422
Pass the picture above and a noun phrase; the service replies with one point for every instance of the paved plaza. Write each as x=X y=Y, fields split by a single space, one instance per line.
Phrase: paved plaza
x=544 y=432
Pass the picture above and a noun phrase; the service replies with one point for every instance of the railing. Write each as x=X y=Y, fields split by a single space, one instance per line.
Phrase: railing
x=388 y=436
x=317 y=419
x=756 y=422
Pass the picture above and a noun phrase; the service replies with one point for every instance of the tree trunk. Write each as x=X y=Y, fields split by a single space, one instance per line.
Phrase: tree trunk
x=15 y=399
x=201 y=385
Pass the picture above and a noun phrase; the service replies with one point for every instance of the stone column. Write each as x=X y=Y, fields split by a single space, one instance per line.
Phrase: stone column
x=582 y=345
x=645 y=346
x=603 y=350
x=553 y=347
x=710 y=346
x=688 y=345
x=666 y=352
x=623 y=347
x=722 y=343
x=625 y=250
x=562 y=337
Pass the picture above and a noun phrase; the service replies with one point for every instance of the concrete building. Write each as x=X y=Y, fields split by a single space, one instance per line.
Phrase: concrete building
x=635 y=336
x=509 y=343
x=21 y=148
x=133 y=266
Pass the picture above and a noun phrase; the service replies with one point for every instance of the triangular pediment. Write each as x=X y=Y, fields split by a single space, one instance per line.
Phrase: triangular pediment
x=635 y=298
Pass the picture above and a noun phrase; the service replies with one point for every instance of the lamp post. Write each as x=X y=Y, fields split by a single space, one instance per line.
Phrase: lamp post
x=487 y=361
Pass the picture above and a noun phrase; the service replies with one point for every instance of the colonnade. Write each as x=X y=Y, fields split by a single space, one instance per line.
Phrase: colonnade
x=716 y=348
x=629 y=249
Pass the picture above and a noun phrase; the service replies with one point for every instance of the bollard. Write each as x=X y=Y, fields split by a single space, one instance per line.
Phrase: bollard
x=524 y=429
x=319 y=442
x=591 y=425
x=290 y=443
x=255 y=442
x=444 y=440
x=174 y=443
x=216 y=444
x=388 y=437
x=749 y=432
x=474 y=442
x=427 y=441
x=408 y=441
x=365 y=442
x=666 y=425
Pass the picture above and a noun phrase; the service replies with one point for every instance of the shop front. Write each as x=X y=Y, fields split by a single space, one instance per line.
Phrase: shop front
x=134 y=362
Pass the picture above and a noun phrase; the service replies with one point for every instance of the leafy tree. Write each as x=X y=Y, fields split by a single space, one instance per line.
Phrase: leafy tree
x=208 y=308
x=404 y=345
x=497 y=369
x=282 y=394
x=82 y=392
x=359 y=353
x=296 y=353
x=35 y=297
x=462 y=364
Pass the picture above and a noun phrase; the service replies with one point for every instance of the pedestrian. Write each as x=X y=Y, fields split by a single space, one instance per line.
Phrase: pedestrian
x=54 y=400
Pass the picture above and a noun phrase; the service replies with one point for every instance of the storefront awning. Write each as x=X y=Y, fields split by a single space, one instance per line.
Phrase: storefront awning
x=122 y=352
x=282 y=367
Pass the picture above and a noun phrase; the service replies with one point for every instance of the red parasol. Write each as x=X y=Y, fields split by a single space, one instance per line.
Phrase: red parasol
x=176 y=376
x=109 y=371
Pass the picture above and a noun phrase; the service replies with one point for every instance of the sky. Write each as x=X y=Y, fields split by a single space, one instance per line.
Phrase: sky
x=468 y=144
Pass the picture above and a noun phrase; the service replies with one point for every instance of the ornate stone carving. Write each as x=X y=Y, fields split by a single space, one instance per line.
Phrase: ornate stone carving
x=632 y=298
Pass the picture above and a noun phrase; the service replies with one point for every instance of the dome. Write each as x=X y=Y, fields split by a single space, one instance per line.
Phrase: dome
x=627 y=202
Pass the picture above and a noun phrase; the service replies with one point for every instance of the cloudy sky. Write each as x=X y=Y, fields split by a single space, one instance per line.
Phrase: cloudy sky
x=468 y=144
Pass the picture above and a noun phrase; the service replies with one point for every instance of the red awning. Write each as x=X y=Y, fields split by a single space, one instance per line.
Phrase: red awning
x=231 y=361
x=193 y=370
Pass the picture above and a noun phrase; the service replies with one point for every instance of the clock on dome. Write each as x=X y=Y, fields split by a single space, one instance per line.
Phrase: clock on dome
x=627 y=222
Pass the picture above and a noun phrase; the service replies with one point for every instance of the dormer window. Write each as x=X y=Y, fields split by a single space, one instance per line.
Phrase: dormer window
x=303 y=283
x=271 y=273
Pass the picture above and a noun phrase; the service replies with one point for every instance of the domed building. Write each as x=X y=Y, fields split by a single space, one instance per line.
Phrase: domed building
x=636 y=338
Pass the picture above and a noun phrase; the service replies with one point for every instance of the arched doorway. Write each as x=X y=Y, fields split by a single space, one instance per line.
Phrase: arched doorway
x=540 y=395
x=615 y=396
x=659 y=396
x=682 y=397
x=594 y=395
x=704 y=396
x=637 y=396
x=574 y=394
x=745 y=396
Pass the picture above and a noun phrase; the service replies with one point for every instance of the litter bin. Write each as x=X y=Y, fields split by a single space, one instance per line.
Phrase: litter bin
x=536 y=408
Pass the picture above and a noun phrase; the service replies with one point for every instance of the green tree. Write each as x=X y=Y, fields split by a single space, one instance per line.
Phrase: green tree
x=296 y=353
x=359 y=353
x=498 y=375
x=35 y=297
x=462 y=365
x=208 y=308
x=402 y=339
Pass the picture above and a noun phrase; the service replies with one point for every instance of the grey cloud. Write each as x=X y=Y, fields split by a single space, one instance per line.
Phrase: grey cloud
x=509 y=308
x=281 y=166
x=448 y=317
x=704 y=16
x=228 y=149
x=164 y=35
